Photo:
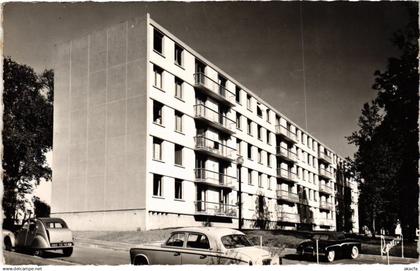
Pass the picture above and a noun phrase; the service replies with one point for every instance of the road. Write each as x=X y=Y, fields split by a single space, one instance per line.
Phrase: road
x=105 y=256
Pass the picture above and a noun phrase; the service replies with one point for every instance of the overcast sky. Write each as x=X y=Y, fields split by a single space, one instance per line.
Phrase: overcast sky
x=258 y=43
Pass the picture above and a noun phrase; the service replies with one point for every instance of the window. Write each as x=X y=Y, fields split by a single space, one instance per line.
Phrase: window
x=157 y=71
x=268 y=138
x=178 y=154
x=259 y=112
x=179 y=51
x=197 y=240
x=259 y=180
x=178 y=121
x=259 y=132
x=249 y=176
x=176 y=240
x=157 y=113
x=238 y=146
x=267 y=114
x=178 y=88
x=259 y=156
x=178 y=189
x=157 y=148
x=248 y=102
x=158 y=41
x=249 y=127
x=238 y=95
x=157 y=185
x=238 y=121
x=269 y=183
x=249 y=151
x=268 y=160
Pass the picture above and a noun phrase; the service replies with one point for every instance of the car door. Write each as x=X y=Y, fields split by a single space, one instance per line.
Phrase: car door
x=31 y=233
x=171 y=250
x=198 y=250
x=21 y=235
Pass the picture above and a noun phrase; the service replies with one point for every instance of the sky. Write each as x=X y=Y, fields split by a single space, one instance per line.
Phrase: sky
x=260 y=44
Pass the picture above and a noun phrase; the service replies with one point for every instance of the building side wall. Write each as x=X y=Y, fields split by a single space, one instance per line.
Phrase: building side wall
x=100 y=124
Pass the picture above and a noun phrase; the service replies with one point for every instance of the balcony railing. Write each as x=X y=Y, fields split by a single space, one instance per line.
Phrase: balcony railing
x=324 y=158
x=286 y=133
x=215 y=209
x=213 y=89
x=287 y=175
x=326 y=189
x=286 y=154
x=325 y=205
x=214 y=148
x=214 y=118
x=325 y=173
x=287 y=196
x=288 y=217
x=214 y=178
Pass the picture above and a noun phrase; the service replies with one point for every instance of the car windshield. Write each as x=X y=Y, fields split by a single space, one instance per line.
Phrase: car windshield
x=235 y=241
x=320 y=236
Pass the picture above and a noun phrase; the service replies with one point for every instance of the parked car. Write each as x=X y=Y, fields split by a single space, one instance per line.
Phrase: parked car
x=203 y=245
x=330 y=246
x=38 y=235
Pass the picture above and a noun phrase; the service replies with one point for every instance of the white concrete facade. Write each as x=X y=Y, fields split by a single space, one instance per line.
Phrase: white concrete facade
x=193 y=141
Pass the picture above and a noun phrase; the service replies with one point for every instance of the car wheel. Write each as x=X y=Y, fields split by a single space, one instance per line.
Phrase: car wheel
x=354 y=253
x=67 y=251
x=37 y=252
x=7 y=244
x=330 y=255
x=140 y=261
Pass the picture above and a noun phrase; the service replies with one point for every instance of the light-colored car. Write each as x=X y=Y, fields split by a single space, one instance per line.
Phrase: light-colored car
x=41 y=234
x=203 y=245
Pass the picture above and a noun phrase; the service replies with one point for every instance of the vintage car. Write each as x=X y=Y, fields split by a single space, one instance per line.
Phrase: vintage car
x=38 y=235
x=331 y=245
x=203 y=245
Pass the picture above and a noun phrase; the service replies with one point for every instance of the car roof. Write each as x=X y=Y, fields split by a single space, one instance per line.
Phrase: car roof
x=212 y=231
x=51 y=219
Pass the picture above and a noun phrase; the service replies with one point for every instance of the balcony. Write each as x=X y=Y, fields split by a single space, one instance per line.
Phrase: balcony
x=215 y=209
x=287 y=175
x=214 y=148
x=286 y=134
x=287 y=196
x=288 y=217
x=214 y=118
x=325 y=206
x=286 y=154
x=323 y=173
x=322 y=157
x=326 y=189
x=213 y=89
x=214 y=178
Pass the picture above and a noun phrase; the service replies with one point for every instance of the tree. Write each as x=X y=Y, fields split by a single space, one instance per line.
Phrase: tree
x=387 y=155
x=42 y=209
x=27 y=132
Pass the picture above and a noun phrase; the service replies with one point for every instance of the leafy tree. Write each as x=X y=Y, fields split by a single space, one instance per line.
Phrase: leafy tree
x=27 y=132
x=42 y=209
x=387 y=156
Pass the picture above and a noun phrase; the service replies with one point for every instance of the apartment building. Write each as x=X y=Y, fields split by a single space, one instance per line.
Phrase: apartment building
x=149 y=134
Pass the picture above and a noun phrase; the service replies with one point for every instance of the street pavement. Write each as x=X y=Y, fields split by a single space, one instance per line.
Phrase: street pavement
x=108 y=253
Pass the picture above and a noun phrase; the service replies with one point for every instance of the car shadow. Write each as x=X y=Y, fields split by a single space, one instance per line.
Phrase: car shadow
x=295 y=257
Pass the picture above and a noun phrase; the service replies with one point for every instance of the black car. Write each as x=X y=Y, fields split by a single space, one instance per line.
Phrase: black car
x=330 y=246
